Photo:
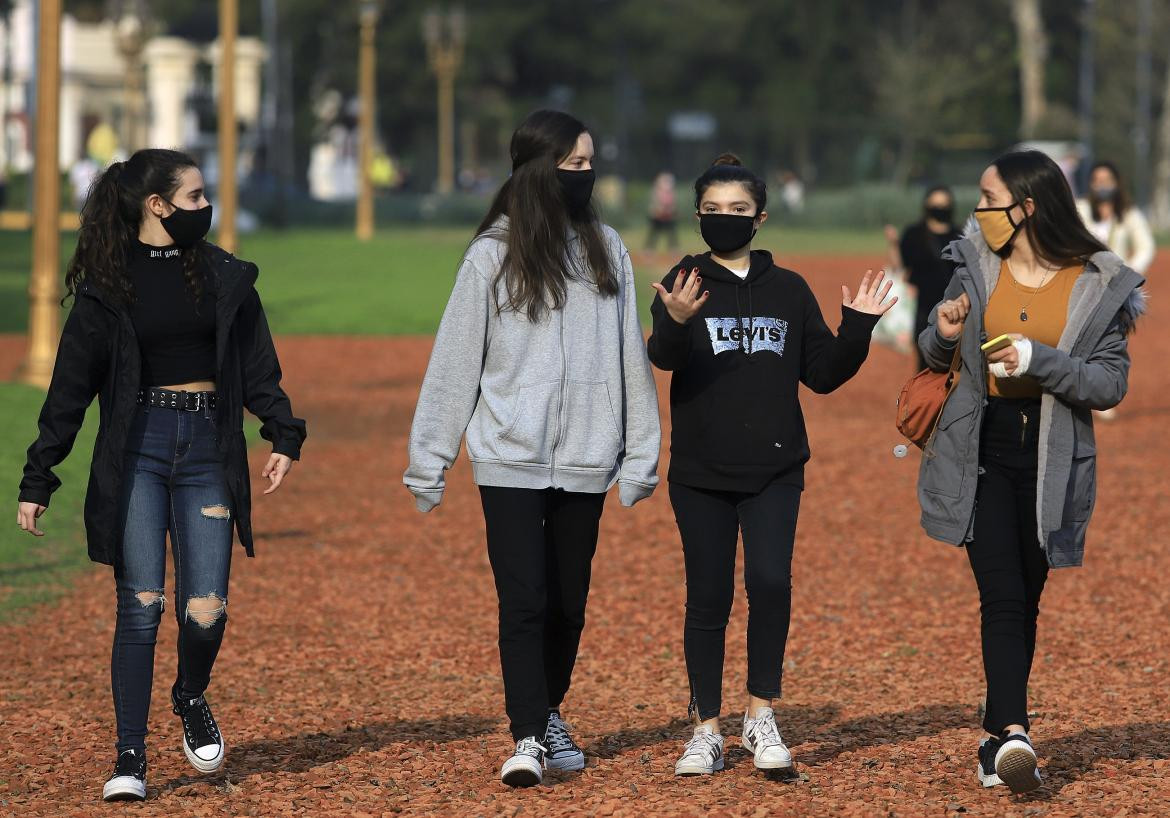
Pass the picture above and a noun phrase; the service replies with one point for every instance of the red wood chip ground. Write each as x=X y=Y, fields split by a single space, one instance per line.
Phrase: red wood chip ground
x=360 y=674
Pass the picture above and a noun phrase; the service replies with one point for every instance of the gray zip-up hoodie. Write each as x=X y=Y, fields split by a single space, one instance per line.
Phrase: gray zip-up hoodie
x=1087 y=369
x=566 y=402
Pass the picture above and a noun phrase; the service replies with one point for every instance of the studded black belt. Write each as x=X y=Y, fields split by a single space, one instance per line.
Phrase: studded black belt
x=183 y=401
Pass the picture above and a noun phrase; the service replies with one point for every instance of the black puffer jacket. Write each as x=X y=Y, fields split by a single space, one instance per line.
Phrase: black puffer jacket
x=98 y=355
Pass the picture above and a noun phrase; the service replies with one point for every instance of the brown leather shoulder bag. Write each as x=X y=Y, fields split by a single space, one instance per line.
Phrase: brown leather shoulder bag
x=921 y=403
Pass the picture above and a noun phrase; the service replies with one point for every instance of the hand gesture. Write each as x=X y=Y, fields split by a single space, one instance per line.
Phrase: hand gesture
x=951 y=315
x=683 y=301
x=275 y=470
x=871 y=295
x=26 y=517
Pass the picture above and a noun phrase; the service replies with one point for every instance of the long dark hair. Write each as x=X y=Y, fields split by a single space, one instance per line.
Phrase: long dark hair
x=1121 y=202
x=534 y=271
x=727 y=168
x=112 y=215
x=1055 y=227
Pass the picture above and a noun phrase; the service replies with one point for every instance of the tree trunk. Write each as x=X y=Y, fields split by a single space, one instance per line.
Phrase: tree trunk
x=1160 y=205
x=1033 y=45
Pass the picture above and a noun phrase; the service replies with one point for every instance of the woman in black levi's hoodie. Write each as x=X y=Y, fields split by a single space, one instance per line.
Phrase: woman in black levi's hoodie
x=740 y=335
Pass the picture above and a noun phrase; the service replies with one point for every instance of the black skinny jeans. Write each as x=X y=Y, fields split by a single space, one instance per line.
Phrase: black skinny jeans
x=709 y=523
x=1010 y=566
x=540 y=545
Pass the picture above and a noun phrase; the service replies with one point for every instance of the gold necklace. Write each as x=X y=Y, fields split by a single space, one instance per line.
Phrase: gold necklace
x=1028 y=303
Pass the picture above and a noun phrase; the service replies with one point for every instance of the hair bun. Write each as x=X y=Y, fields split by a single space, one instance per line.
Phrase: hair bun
x=727 y=159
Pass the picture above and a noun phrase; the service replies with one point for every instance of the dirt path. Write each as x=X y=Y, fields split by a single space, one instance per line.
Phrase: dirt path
x=360 y=673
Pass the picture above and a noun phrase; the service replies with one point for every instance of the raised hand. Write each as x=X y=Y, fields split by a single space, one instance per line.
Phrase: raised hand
x=871 y=294
x=683 y=301
x=951 y=315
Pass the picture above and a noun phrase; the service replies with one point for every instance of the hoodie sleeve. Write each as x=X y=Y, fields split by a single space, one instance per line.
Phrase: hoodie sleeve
x=80 y=369
x=669 y=346
x=643 y=436
x=450 y=388
x=828 y=361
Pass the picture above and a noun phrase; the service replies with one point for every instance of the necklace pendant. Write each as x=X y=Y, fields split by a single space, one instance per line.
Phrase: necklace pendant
x=1023 y=315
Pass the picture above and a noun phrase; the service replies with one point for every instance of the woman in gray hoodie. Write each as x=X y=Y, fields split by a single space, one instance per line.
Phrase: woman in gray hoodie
x=540 y=361
x=1011 y=471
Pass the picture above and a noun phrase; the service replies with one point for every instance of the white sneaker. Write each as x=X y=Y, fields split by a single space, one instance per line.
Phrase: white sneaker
x=703 y=754
x=761 y=738
x=563 y=752
x=1015 y=764
x=524 y=768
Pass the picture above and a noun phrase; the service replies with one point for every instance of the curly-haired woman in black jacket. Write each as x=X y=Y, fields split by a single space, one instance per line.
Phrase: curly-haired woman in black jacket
x=168 y=332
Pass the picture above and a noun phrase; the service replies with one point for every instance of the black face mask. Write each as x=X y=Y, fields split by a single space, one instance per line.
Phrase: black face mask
x=725 y=232
x=941 y=214
x=577 y=187
x=187 y=227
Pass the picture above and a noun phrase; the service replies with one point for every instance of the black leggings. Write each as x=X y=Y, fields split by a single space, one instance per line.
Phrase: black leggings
x=540 y=544
x=1010 y=566
x=709 y=523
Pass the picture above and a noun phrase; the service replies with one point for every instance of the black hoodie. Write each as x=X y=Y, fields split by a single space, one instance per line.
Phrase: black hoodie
x=736 y=423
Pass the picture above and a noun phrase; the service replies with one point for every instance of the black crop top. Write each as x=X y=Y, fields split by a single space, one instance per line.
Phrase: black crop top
x=177 y=342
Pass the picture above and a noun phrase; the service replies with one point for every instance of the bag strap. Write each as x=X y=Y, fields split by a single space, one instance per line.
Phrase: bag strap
x=956 y=363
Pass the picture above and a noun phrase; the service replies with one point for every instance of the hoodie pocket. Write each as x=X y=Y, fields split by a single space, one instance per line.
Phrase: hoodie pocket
x=589 y=431
x=530 y=434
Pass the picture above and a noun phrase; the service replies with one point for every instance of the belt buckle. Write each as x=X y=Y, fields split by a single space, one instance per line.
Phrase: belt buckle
x=198 y=400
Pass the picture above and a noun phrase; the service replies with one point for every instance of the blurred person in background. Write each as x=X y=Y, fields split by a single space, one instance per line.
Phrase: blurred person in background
x=791 y=192
x=739 y=335
x=663 y=218
x=920 y=251
x=168 y=332
x=539 y=361
x=1011 y=470
x=1118 y=223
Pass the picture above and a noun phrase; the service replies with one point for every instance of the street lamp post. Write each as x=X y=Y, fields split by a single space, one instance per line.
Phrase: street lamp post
x=445 y=35
x=366 y=92
x=44 y=291
x=226 y=188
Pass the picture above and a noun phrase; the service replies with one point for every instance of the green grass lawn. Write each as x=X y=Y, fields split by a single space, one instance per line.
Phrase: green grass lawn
x=35 y=569
x=323 y=281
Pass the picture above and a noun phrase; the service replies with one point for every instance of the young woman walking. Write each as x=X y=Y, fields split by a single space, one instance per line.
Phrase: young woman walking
x=539 y=360
x=740 y=335
x=168 y=332
x=1011 y=472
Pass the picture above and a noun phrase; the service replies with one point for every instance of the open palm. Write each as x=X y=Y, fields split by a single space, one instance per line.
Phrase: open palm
x=871 y=294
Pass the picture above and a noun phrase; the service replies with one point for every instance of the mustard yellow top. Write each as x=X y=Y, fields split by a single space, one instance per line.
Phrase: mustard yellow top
x=1046 y=309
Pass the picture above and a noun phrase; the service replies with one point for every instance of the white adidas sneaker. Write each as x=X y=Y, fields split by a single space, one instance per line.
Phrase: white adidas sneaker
x=761 y=738
x=702 y=755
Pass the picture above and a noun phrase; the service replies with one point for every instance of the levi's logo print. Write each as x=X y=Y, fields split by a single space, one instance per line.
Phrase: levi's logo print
x=766 y=334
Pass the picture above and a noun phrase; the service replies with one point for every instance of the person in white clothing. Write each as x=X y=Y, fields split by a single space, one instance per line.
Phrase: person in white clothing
x=1115 y=220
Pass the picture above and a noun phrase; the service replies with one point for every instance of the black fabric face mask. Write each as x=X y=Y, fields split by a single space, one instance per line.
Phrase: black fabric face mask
x=187 y=227
x=725 y=232
x=577 y=186
x=941 y=214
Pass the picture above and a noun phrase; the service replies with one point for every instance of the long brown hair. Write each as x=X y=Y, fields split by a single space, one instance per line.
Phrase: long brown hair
x=1055 y=227
x=537 y=263
x=112 y=215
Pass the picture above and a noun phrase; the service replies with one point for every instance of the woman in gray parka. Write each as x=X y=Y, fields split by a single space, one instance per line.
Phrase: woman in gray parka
x=1011 y=472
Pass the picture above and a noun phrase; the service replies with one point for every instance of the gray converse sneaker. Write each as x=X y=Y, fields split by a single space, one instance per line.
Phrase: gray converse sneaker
x=563 y=752
x=761 y=738
x=703 y=754
x=525 y=767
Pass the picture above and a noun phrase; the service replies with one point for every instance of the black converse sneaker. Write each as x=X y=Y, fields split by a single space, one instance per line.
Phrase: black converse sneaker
x=128 y=783
x=525 y=767
x=986 y=771
x=563 y=752
x=1015 y=764
x=202 y=741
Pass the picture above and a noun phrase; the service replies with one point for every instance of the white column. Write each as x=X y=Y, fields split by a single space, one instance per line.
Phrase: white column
x=250 y=55
x=170 y=73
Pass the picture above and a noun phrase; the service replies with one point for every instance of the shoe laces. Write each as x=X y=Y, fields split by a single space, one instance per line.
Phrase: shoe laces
x=530 y=747
x=557 y=734
x=130 y=762
x=704 y=744
x=198 y=723
x=765 y=731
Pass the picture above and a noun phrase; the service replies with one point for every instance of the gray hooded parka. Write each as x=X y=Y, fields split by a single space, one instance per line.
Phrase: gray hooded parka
x=1088 y=369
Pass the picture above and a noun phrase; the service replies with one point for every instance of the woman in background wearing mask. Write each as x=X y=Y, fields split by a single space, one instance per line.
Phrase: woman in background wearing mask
x=1115 y=220
x=539 y=360
x=920 y=249
x=1011 y=471
x=168 y=332
x=740 y=335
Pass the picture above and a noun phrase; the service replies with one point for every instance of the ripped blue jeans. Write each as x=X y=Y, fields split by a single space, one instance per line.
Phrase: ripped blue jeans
x=173 y=481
